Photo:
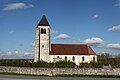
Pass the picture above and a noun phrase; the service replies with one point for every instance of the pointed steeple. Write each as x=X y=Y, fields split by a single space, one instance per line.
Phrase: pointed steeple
x=43 y=22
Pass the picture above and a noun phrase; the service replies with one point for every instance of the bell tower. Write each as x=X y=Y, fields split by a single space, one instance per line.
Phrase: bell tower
x=42 y=43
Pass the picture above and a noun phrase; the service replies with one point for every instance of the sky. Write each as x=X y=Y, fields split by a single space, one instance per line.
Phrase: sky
x=92 y=22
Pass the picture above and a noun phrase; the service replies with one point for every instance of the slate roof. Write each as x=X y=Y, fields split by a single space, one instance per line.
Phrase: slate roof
x=43 y=21
x=71 y=49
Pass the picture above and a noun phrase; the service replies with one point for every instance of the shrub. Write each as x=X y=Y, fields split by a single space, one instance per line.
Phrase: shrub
x=91 y=65
x=64 y=64
x=40 y=64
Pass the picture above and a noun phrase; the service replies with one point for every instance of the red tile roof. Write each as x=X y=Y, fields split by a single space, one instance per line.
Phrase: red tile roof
x=71 y=49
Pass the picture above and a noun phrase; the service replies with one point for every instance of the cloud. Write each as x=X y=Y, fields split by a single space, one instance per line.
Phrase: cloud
x=16 y=55
x=62 y=36
x=9 y=53
x=94 y=41
x=95 y=16
x=113 y=46
x=15 y=6
x=118 y=4
x=114 y=28
x=54 y=32
x=12 y=31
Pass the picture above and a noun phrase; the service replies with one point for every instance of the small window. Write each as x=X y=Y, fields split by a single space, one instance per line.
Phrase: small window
x=83 y=58
x=57 y=56
x=65 y=58
x=42 y=31
x=43 y=46
x=94 y=58
x=73 y=58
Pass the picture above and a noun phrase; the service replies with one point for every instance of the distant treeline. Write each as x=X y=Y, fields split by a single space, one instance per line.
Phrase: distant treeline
x=103 y=60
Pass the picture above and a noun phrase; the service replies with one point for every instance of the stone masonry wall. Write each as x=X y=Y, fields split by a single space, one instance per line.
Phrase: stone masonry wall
x=54 y=71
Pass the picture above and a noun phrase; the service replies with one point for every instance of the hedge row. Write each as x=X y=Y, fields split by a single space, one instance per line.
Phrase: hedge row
x=64 y=64
x=60 y=64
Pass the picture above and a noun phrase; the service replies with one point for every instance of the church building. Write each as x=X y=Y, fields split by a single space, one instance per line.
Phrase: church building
x=45 y=51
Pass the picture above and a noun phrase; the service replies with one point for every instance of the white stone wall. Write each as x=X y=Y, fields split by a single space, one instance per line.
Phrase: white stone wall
x=56 y=71
x=44 y=43
x=36 y=55
x=77 y=58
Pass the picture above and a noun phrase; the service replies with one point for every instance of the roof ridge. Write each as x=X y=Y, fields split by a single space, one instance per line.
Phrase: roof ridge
x=70 y=44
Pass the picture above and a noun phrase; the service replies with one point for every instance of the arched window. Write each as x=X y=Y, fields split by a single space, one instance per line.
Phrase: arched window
x=42 y=31
x=43 y=46
x=73 y=58
x=94 y=58
x=57 y=56
x=83 y=58
x=65 y=58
